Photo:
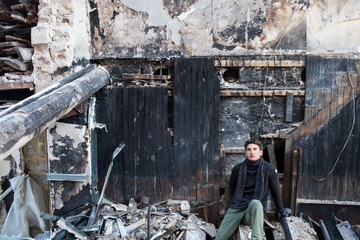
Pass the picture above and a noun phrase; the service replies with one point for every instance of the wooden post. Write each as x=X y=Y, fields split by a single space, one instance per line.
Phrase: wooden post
x=294 y=185
x=20 y=126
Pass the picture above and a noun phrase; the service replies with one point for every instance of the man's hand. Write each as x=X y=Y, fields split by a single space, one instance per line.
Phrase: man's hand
x=287 y=212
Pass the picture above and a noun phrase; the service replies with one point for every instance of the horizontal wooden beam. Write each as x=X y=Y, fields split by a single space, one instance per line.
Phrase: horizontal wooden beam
x=16 y=85
x=259 y=63
x=81 y=177
x=260 y=93
x=327 y=202
x=145 y=76
x=235 y=150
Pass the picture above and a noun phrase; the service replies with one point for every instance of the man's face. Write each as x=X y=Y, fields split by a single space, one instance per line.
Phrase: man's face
x=253 y=152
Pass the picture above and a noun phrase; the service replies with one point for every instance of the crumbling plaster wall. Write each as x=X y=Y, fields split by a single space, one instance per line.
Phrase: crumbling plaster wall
x=162 y=28
x=61 y=40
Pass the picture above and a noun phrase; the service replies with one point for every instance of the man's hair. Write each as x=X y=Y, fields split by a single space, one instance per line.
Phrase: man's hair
x=254 y=141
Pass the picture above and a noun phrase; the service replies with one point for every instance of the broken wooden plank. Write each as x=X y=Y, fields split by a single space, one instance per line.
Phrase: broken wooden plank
x=324 y=230
x=16 y=85
x=115 y=153
x=19 y=18
x=25 y=54
x=145 y=76
x=11 y=44
x=14 y=63
x=72 y=229
x=271 y=153
x=11 y=51
x=121 y=227
x=10 y=38
x=289 y=106
x=134 y=226
x=295 y=172
x=269 y=224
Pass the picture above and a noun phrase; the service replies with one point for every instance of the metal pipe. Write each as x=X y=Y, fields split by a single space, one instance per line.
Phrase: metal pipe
x=47 y=90
x=20 y=126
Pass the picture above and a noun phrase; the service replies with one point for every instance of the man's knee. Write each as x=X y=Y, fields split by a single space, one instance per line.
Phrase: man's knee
x=256 y=204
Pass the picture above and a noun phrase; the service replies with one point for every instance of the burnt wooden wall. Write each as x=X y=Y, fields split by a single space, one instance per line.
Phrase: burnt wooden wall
x=319 y=152
x=155 y=163
x=136 y=116
x=196 y=131
x=330 y=110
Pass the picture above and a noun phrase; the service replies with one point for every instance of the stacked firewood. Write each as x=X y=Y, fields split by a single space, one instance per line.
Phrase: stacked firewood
x=17 y=17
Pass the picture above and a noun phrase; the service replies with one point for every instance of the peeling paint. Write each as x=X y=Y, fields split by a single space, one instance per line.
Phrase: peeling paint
x=68 y=152
x=195 y=28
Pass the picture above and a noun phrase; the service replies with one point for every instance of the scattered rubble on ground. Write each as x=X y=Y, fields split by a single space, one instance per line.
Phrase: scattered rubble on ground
x=169 y=219
x=300 y=229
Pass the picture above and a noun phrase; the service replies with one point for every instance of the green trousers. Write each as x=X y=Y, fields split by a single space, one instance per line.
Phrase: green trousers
x=253 y=216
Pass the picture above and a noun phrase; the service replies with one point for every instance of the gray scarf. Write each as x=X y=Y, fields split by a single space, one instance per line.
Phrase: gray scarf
x=259 y=185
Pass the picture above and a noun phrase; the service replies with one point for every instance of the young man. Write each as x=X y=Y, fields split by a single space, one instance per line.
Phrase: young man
x=249 y=187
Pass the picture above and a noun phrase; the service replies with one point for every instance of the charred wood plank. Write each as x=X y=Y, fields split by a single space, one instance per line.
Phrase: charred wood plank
x=295 y=178
x=8 y=51
x=259 y=63
x=18 y=18
x=20 y=126
x=332 y=228
x=324 y=230
x=289 y=106
x=129 y=229
x=10 y=38
x=271 y=152
x=10 y=28
x=25 y=54
x=260 y=93
x=72 y=229
x=16 y=85
x=285 y=225
x=145 y=76
x=11 y=44
x=14 y=63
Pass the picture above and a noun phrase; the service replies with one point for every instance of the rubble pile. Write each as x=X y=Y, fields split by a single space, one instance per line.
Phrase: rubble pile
x=300 y=229
x=170 y=219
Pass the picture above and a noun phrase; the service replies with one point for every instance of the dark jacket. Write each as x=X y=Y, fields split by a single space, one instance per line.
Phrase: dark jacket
x=271 y=185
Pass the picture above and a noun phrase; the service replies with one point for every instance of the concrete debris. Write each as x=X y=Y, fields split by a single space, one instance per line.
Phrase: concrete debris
x=273 y=230
x=16 y=77
x=346 y=231
x=169 y=219
x=300 y=229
